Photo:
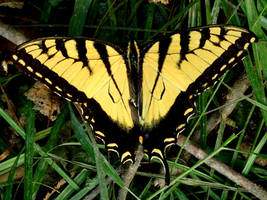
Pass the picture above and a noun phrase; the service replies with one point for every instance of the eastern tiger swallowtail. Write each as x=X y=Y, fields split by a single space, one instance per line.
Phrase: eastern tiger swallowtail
x=140 y=95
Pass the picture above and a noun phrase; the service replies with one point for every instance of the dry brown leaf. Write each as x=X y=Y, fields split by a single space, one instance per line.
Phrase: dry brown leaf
x=12 y=3
x=159 y=1
x=19 y=174
x=45 y=102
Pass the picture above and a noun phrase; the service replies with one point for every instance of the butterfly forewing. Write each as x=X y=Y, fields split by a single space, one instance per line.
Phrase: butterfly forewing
x=187 y=63
x=78 y=70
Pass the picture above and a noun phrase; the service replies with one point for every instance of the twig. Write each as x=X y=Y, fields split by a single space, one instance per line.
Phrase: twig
x=223 y=169
x=240 y=85
x=12 y=34
x=96 y=191
x=128 y=176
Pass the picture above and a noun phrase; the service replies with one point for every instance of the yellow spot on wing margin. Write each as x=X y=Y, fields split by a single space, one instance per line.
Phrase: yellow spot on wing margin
x=188 y=111
x=169 y=140
x=158 y=152
x=214 y=77
x=223 y=67
x=48 y=81
x=22 y=62
x=29 y=69
x=98 y=132
x=252 y=40
x=112 y=145
x=124 y=155
x=15 y=57
x=231 y=60
x=180 y=127
x=58 y=88
x=39 y=75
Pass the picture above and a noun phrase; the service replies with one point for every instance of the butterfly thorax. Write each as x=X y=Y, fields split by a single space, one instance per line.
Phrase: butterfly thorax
x=133 y=56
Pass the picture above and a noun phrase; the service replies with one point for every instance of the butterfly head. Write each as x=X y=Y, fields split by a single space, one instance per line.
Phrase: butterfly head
x=133 y=52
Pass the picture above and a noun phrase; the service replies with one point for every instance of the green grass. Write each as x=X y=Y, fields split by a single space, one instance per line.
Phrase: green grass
x=79 y=160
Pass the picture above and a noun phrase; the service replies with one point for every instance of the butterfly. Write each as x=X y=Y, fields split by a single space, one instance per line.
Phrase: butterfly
x=141 y=94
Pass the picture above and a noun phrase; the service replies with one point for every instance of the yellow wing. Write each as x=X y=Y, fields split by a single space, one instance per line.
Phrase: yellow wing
x=187 y=64
x=80 y=69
